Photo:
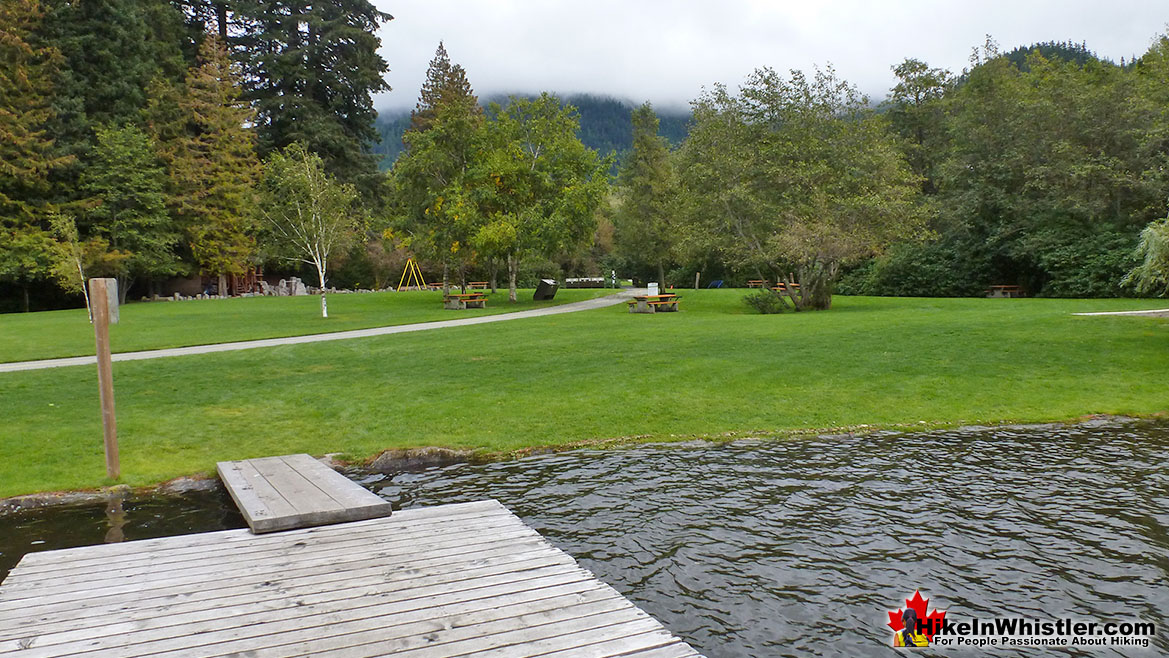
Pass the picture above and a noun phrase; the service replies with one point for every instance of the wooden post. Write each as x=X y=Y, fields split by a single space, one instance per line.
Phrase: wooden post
x=696 y=275
x=100 y=293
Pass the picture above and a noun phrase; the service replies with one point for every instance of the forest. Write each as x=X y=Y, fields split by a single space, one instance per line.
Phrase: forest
x=153 y=139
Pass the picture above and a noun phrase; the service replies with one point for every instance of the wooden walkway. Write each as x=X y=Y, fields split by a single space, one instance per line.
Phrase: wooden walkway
x=296 y=491
x=455 y=580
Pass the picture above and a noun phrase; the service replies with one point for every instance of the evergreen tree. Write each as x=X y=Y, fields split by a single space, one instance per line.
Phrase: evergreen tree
x=212 y=163
x=643 y=229
x=26 y=151
x=126 y=181
x=311 y=69
x=446 y=85
x=435 y=176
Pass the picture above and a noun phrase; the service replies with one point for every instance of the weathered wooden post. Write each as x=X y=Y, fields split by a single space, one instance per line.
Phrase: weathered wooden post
x=104 y=293
x=696 y=275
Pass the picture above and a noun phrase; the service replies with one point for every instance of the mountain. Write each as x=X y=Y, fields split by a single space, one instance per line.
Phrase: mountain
x=605 y=125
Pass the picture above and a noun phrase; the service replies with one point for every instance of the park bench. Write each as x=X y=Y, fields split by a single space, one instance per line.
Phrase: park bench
x=757 y=283
x=654 y=303
x=1004 y=291
x=477 y=285
x=461 y=301
x=782 y=288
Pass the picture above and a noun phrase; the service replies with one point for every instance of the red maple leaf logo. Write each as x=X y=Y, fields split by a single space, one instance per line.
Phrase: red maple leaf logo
x=919 y=606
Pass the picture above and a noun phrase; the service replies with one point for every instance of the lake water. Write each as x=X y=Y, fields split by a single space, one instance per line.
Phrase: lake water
x=800 y=547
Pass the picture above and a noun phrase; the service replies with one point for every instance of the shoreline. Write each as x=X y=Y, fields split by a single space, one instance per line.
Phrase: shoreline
x=399 y=460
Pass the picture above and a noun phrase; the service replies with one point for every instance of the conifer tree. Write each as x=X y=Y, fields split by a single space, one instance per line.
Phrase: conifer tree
x=212 y=165
x=446 y=85
x=26 y=151
x=643 y=232
x=311 y=70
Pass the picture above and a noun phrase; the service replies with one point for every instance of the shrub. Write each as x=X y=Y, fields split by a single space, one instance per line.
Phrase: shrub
x=764 y=301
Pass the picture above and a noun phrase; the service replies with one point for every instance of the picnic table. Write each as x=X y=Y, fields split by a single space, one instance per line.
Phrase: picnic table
x=477 y=285
x=757 y=283
x=457 y=301
x=1005 y=291
x=666 y=302
x=781 y=288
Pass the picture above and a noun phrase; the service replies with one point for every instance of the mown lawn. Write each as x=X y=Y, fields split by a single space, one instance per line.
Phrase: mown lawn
x=158 y=325
x=711 y=369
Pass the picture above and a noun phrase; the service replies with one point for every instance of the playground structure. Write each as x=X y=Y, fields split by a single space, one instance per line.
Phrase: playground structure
x=411 y=277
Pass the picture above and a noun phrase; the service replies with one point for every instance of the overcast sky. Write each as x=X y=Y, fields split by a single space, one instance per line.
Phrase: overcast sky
x=665 y=52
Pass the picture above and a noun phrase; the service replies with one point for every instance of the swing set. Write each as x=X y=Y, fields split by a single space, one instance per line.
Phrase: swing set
x=411 y=277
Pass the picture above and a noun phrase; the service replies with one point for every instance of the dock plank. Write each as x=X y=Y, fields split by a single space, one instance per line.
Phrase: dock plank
x=296 y=491
x=442 y=582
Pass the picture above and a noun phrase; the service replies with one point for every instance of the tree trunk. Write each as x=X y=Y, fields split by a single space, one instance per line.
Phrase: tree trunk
x=661 y=276
x=223 y=285
x=124 y=284
x=816 y=285
x=446 y=282
x=324 y=302
x=512 y=266
x=462 y=279
x=493 y=270
x=221 y=19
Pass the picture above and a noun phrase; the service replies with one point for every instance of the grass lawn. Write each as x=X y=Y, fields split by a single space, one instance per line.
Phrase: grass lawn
x=602 y=374
x=158 y=325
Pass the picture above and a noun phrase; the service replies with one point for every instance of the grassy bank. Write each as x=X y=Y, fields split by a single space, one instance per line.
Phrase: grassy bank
x=710 y=369
x=158 y=325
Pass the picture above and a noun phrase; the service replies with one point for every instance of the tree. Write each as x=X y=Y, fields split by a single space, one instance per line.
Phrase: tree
x=917 y=113
x=433 y=179
x=644 y=231
x=311 y=70
x=26 y=150
x=310 y=215
x=445 y=85
x=76 y=261
x=26 y=257
x=125 y=180
x=212 y=164
x=795 y=173
x=1152 y=275
x=543 y=185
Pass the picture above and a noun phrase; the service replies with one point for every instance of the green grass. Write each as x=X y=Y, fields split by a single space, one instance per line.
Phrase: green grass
x=158 y=325
x=712 y=369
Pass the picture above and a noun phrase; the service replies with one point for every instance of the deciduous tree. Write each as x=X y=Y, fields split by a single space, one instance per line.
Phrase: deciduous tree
x=797 y=174
x=309 y=214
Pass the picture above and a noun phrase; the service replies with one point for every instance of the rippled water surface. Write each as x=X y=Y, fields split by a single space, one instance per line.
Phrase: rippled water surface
x=770 y=548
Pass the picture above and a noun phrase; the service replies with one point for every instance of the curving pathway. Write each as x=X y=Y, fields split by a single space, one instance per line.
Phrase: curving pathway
x=599 y=302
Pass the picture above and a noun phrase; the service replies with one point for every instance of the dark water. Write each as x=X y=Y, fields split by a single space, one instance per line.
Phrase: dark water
x=800 y=547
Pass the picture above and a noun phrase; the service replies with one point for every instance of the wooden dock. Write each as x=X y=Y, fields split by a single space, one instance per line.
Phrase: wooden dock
x=296 y=491
x=453 y=580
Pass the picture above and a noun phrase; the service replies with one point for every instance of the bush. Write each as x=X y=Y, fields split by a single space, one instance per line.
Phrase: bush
x=765 y=301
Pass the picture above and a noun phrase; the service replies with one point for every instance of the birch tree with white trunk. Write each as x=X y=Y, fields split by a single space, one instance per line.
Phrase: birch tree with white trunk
x=309 y=215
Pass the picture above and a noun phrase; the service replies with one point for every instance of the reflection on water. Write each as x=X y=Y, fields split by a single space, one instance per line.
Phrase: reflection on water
x=772 y=548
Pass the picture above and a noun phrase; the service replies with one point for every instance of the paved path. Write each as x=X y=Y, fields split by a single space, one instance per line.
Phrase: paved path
x=1158 y=311
x=600 y=302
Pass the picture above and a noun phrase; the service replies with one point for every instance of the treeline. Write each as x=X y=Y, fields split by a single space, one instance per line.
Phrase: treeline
x=606 y=125
x=134 y=131
x=1039 y=170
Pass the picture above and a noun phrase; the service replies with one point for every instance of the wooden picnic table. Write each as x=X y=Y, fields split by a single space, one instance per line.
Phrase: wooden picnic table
x=661 y=303
x=781 y=287
x=458 y=301
x=477 y=285
x=757 y=283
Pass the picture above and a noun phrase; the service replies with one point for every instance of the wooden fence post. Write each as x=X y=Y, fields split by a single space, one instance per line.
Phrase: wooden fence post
x=104 y=292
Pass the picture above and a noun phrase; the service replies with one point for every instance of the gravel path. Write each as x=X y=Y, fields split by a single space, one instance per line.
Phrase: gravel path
x=600 y=302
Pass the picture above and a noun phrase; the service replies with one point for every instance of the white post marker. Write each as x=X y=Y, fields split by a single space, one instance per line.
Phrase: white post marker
x=104 y=293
